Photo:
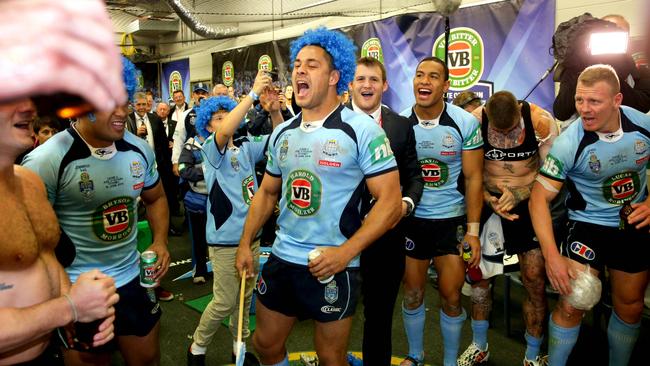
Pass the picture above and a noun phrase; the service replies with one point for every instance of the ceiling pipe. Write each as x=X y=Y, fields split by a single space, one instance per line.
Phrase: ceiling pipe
x=198 y=27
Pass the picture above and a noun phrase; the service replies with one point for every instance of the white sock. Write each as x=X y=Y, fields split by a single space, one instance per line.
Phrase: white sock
x=195 y=349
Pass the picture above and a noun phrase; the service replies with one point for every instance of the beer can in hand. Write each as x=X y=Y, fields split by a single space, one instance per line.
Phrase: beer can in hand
x=148 y=268
x=313 y=254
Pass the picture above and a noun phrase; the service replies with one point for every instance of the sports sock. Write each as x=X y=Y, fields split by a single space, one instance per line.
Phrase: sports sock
x=195 y=349
x=560 y=342
x=414 y=327
x=479 y=333
x=532 y=346
x=622 y=337
x=284 y=362
x=450 y=327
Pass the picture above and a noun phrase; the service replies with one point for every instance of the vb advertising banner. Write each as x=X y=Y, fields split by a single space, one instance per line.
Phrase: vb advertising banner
x=497 y=46
x=176 y=75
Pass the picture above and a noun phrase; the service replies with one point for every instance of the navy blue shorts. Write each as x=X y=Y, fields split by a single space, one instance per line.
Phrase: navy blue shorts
x=428 y=238
x=604 y=246
x=292 y=290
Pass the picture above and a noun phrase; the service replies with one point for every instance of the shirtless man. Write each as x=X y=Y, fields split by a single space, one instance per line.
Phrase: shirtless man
x=516 y=135
x=32 y=282
x=33 y=285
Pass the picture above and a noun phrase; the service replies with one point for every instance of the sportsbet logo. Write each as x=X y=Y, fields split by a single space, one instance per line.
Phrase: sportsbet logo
x=112 y=220
x=621 y=188
x=303 y=193
x=434 y=172
x=465 y=56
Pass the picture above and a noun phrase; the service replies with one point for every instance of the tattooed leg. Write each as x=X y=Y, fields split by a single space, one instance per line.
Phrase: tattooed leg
x=481 y=300
x=533 y=277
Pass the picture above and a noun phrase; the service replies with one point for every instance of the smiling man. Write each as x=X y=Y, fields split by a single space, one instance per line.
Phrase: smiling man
x=94 y=173
x=603 y=158
x=448 y=143
x=318 y=164
x=382 y=263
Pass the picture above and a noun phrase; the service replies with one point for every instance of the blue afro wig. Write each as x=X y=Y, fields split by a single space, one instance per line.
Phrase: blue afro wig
x=130 y=75
x=337 y=45
x=207 y=108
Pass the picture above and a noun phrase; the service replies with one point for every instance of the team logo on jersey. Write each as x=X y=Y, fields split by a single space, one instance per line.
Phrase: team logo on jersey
x=331 y=148
x=227 y=73
x=265 y=63
x=448 y=141
x=284 y=149
x=137 y=170
x=112 y=221
x=594 y=163
x=372 y=48
x=234 y=163
x=640 y=147
x=409 y=244
x=303 y=192
x=582 y=250
x=261 y=286
x=379 y=149
x=248 y=189
x=86 y=186
x=621 y=188
x=434 y=172
x=331 y=292
x=465 y=57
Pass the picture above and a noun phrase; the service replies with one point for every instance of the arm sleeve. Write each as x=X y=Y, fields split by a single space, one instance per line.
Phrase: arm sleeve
x=258 y=147
x=151 y=177
x=47 y=170
x=375 y=154
x=559 y=160
x=472 y=137
x=212 y=153
x=188 y=167
x=271 y=164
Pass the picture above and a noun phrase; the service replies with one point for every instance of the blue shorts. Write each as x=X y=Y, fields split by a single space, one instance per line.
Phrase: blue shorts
x=428 y=238
x=292 y=290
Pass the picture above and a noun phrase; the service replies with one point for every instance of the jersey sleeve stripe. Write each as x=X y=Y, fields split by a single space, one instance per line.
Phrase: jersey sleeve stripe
x=151 y=186
x=551 y=177
x=381 y=172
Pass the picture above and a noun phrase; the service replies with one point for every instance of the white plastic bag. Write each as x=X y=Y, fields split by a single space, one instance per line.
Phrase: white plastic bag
x=585 y=290
x=492 y=247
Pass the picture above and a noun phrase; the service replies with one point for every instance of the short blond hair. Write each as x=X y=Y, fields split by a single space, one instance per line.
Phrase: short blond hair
x=600 y=72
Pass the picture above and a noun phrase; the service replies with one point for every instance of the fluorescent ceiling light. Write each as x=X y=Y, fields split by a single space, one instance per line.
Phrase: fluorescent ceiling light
x=310 y=5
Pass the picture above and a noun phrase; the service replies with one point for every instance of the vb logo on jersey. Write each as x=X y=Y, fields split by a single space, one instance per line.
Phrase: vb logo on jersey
x=303 y=193
x=621 y=188
x=112 y=220
x=248 y=189
x=434 y=172
x=465 y=57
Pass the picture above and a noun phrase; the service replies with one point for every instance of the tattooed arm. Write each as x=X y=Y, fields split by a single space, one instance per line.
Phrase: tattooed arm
x=545 y=129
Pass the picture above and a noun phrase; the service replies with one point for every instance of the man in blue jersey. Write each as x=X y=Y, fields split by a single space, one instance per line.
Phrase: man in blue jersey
x=603 y=158
x=319 y=162
x=449 y=151
x=229 y=170
x=94 y=173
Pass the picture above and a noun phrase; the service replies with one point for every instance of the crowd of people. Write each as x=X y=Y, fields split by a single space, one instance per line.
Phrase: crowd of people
x=356 y=201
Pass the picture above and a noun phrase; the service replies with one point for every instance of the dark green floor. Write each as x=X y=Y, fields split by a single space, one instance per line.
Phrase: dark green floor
x=179 y=321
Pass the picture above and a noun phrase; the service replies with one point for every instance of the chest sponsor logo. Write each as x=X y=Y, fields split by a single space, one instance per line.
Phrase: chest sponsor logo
x=303 y=192
x=112 y=221
x=465 y=56
x=621 y=188
x=248 y=189
x=331 y=292
x=86 y=186
x=434 y=172
x=496 y=154
x=582 y=250
x=372 y=48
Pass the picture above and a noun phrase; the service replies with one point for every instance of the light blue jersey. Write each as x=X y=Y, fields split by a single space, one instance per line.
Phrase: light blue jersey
x=323 y=170
x=230 y=178
x=95 y=200
x=602 y=172
x=440 y=145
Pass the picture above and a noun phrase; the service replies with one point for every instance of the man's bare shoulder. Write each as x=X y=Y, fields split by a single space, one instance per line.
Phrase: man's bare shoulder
x=28 y=177
x=543 y=122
